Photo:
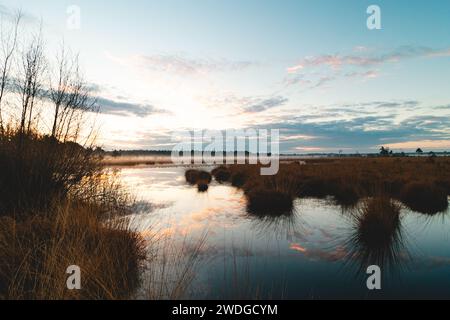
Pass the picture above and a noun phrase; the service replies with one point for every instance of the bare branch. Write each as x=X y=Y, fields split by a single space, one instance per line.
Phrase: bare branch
x=9 y=45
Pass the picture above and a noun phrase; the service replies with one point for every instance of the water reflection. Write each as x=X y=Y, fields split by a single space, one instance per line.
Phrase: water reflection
x=277 y=226
x=298 y=253
x=377 y=237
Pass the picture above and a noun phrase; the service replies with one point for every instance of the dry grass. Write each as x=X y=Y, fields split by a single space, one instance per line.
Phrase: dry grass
x=35 y=253
x=37 y=169
x=347 y=180
x=377 y=237
x=173 y=267
x=424 y=197
x=269 y=202
x=59 y=208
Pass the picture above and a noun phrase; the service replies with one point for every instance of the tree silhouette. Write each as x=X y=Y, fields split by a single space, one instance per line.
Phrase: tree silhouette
x=384 y=151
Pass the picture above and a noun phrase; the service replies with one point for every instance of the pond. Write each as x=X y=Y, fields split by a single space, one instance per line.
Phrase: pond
x=309 y=254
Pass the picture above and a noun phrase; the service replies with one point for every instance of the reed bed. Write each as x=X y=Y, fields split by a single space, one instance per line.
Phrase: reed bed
x=422 y=184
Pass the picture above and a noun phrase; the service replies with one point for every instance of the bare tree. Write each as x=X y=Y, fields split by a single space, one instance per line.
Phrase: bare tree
x=30 y=81
x=78 y=103
x=71 y=98
x=59 y=89
x=8 y=44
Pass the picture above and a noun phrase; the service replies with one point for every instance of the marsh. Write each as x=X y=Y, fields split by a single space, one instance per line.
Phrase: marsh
x=312 y=253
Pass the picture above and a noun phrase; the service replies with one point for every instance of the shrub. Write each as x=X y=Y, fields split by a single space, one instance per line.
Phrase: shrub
x=35 y=170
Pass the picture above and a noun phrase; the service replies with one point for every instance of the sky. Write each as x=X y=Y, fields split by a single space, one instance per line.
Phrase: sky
x=312 y=69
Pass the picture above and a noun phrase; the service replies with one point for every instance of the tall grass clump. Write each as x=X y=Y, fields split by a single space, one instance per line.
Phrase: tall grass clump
x=221 y=174
x=198 y=177
x=424 y=197
x=377 y=238
x=266 y=195
x=269 y=202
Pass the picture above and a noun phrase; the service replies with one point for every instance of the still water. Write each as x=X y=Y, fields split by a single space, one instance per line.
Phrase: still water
x=307 y=255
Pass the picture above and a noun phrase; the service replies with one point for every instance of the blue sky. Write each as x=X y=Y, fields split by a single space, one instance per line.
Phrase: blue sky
x=309 y=68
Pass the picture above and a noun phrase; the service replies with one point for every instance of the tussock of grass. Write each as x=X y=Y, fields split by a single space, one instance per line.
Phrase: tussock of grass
x=191 y=176
x=221 y=174
x=377 y=238
x=269 y=202
x=424 y=197
x=238 y=179
x=194 y=176
x=200 y=178
x=377 y=222
x=202 y=186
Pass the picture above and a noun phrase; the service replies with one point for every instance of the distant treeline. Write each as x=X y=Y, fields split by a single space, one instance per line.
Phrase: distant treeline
x=117 y=153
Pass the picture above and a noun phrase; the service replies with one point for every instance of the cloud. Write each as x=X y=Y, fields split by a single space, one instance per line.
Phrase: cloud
x=109 y=106
x=350 y=127
x=336 y=61
x=361 y=127
x=370 y=74
x=308 y=83
x=412 y=145
x=239 y=105
x=182 y=65
x=444 y=107
x=259 y=105
x=294 y=69
x=323 y=81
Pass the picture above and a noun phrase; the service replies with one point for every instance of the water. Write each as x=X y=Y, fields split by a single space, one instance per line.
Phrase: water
x=307 y=255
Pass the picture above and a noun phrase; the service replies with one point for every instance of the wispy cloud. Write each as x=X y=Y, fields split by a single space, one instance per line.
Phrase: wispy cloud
x=236 y=104
x=263 y=104
x=336 y=61
x=122 y=108
x=370 y=74
x=180 y=64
